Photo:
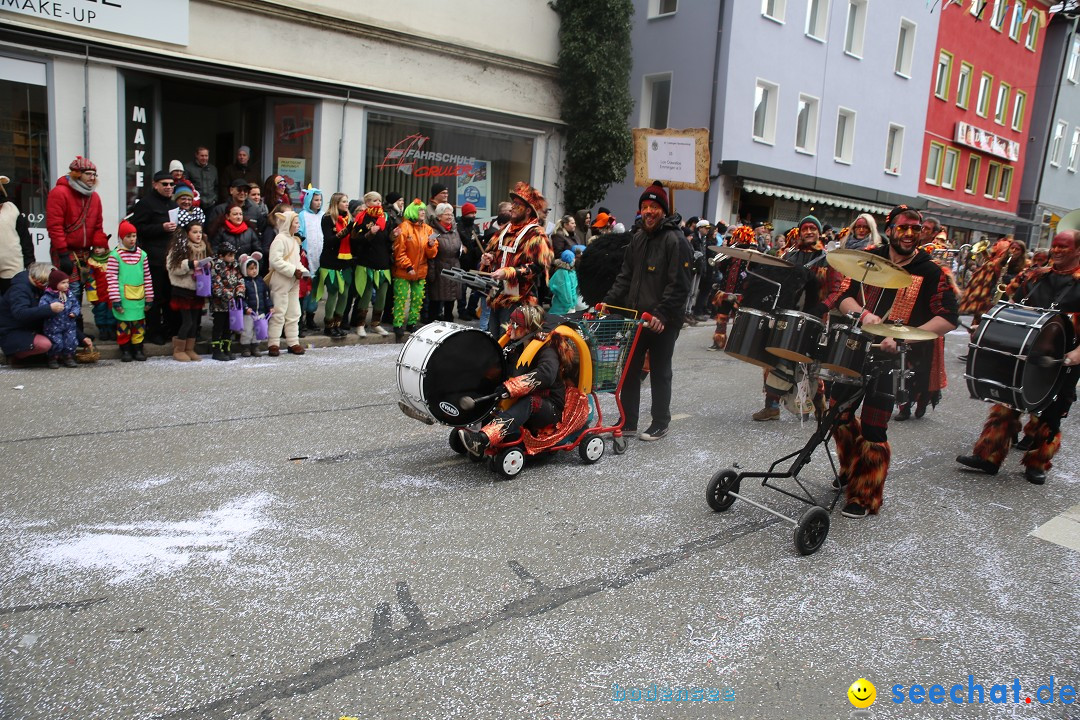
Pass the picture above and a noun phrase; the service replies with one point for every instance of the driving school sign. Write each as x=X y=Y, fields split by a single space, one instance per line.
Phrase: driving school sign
x=164 y=20
x=408 y=155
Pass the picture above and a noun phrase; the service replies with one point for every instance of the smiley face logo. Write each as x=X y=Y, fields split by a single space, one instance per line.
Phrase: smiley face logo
x=862 y=693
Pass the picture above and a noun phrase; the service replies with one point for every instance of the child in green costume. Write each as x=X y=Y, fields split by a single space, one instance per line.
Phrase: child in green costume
x=130 y=291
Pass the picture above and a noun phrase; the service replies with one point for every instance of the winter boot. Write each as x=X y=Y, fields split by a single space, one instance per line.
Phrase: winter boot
x=227 y=347
x=125 y=353
x=254 y=348
x=219 y=352
x=245 y=350
x=137 y=352
x=189 y=350
x=399 y=334
x=309 y=321
x=53 y=363
x=178 y=352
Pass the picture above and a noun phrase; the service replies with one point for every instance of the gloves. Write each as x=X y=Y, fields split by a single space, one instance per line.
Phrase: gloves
x=65 y=264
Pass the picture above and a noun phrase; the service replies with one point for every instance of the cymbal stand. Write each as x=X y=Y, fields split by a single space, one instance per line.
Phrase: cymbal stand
x=776 y=296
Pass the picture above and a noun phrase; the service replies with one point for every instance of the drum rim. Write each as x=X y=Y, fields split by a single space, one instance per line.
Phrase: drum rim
x=800 y=313
x=755 y=311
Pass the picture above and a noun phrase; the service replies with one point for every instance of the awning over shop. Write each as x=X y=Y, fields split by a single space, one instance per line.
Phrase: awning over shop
x=976 y=218
x=790 y=193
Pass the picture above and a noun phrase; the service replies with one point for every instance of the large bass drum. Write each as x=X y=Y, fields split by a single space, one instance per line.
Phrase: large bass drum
x=443 y=361
x=748 y=336
x=1016 y=357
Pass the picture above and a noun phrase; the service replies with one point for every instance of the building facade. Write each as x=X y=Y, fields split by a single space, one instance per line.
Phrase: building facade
x=813 y=105
x=984 y=80
x=327 y=94
x=1051 y=181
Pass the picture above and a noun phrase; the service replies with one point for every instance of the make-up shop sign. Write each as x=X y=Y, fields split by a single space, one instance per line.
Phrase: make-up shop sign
x=164 y=20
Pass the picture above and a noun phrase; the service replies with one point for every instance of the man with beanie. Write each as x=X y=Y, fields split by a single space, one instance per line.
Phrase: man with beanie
x=16 y=245
x=518 y=256
x=242 y=169
x=150 y=216
x=472 y=248
x=655 y=278
x=73 y=219
x=439 y=194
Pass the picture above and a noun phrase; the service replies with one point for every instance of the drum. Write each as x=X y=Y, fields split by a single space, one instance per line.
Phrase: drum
x=843 y=356
x=443 y=361
x=749 y=333
x=795 y=336
x=1016 y=356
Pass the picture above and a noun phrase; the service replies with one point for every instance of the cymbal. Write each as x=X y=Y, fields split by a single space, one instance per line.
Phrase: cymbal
x=869 y=269
x=896 y=331
x=751 y=256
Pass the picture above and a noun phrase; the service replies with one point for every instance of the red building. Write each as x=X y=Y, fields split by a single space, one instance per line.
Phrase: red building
x=981 y=95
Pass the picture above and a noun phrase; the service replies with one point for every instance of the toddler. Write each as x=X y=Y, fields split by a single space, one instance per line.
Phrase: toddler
x=61 y=328
x=563 y=284
x=227 y=285
x=256 y=302
x=97 y=287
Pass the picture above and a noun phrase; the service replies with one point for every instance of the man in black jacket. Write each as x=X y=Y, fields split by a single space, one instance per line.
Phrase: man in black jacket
x=655 y=278
x=150 y=216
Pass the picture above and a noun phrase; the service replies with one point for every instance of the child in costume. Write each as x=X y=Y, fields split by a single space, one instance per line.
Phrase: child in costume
x=284 y=281
x=311 y=240
x=187 y=255
x=227 y=284
x=61 y=328
x=97 y=287
x=257 y=302
x=563 y=284
x=130 y=290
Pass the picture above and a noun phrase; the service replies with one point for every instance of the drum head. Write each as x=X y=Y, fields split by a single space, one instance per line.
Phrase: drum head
x=465 y=362
x=1039 y=377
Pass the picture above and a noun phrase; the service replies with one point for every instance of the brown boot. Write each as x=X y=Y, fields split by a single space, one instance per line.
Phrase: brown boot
x=178 y=350
x=189 y=350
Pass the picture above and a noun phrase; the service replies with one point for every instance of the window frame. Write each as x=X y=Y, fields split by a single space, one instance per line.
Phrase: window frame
x=982 y=104
x=859 y=35
x=933 y=167
x=899 y=152
x=1073 y=72
x=823 y=20
x=1001 y=108
x=848 y=142
x=1004 y=6
x=813 y=124
x=1019 y=8
x=771 y=110
x=905 y=55
x=993 y=175
x=1031 y=38
x=1074 y=151
x=648 y=106
x=971 y=184
x=655 y=7
x=1057 y=143
x=951 y=183
x=1005 y=180
x=960 y=75
x=1019 y=108
x=944 y=86
x=780 y=5
x=977 y=6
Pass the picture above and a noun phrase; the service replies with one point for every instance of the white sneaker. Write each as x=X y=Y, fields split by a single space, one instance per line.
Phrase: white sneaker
x=380 y=330
x=361 y=332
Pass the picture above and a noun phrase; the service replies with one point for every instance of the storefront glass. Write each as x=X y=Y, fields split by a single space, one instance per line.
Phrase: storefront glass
x=408 y=155
x=140 y=116
x=24 y=142
x=294 y=139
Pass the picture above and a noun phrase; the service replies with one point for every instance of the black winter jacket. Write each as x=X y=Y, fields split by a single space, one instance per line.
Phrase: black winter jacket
x=655 y=275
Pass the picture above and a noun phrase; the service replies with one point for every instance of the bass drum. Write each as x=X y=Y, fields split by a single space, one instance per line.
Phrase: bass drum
x=443 y=361
x=749 y=333
x=1016 y=357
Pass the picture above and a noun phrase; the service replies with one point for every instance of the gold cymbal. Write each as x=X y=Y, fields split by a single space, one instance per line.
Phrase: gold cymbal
x=869 y=269
x=896 y=331
x=751 y=256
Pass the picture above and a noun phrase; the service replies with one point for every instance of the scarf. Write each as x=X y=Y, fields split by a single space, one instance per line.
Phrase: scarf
x=345 y=249
x=854 y=243
x=447 y=226
x=236 y=229
x=79 y=186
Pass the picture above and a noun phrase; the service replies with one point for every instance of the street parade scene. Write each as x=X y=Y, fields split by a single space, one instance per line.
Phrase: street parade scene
x=551 y=387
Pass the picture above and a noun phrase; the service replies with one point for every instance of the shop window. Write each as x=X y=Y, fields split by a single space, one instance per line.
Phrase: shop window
x=408 y=155
x=293 y=145
x=24 y=142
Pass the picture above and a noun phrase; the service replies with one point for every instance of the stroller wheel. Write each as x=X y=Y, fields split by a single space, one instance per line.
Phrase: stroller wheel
x=592 y=449
x=509 y=462
x=618 y=445
x=455 y=443
x=717 y=495
x=812 y=530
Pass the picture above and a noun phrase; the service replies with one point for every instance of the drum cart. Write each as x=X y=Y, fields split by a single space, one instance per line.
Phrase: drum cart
x=608 y=341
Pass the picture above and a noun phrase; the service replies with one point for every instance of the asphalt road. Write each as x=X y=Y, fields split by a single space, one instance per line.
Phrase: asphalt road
x=273 y=539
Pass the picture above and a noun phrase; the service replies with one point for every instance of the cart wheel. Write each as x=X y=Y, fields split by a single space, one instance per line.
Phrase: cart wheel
x=455 y=443
x=812 y=530
x=717 y=493
x=618 y=445
x=509 y=462
x=592 y=449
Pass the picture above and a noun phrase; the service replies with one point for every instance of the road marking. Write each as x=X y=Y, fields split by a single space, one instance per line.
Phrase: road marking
x=448 y=463
x=680 y=416
x=1062 y=530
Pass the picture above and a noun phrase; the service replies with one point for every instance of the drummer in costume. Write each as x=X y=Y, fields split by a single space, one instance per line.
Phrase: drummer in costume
x=519 y=255
x=730 y=274
x=928 y=303
x=807 y=255
x=538 y=385
x=1042 y=287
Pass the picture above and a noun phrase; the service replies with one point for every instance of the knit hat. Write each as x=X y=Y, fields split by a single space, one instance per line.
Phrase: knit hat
x=182 y=190
x=657 y=194
x=812 y=220
x=56 y=277
x=225 y=248
x=82 y=164
x=437 y=188
x=567 y=257
x=244 y=149
x=468 y=209
x=101 y=240
x=176 y=165
x=531 y=196
x=392 y=198
x=126 y=229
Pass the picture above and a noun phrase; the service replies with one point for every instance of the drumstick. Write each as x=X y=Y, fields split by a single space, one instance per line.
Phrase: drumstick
x=468 y=402
x=1046 y=361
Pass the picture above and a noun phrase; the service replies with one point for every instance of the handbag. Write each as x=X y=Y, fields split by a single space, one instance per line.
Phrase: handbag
x=260 y=326
x=236 y=315
x=203 y=281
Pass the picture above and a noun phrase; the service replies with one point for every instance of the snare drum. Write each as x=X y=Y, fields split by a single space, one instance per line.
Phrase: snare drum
x=795 y=336
x=443 y=361
x=748 y=336
x=1004 y=359
x=844 y=355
